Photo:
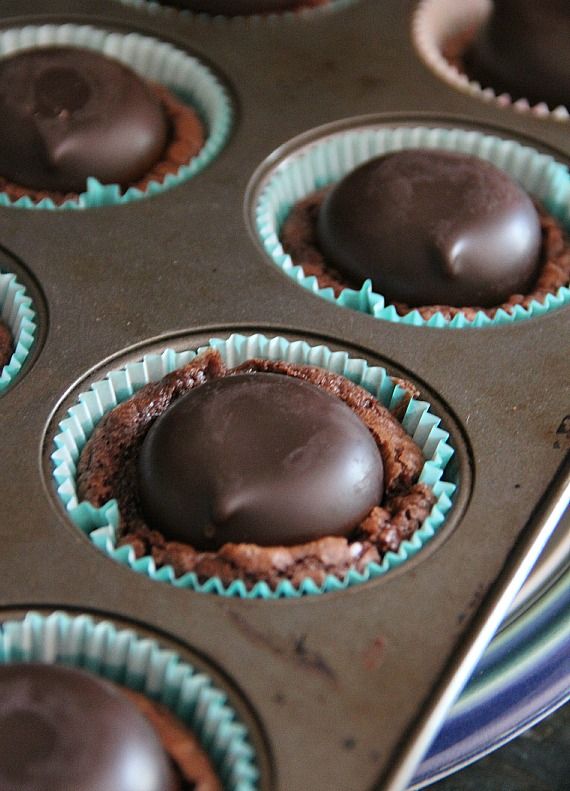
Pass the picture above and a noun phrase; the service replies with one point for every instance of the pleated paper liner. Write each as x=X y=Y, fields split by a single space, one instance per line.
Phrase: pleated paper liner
x=100 y=524
x=17 y=312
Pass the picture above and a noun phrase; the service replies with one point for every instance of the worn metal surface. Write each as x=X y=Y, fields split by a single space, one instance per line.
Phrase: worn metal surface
x=329 y=684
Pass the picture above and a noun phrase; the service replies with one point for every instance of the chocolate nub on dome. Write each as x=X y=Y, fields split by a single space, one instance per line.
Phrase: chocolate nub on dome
x=432 y=227
x=67 y=114
x=524 y=50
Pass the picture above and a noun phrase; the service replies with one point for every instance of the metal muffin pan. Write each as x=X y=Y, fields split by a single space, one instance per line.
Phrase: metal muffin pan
x=344 y=690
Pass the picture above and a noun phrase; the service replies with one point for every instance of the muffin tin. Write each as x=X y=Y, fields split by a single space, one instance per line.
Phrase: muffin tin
x=342 y=690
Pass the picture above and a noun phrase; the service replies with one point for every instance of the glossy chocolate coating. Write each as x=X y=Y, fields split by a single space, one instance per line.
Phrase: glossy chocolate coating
x=63 y=729
x=236 y=7
x=67 y=114
x=258 y=458
x=524 y=50
x=432 y=228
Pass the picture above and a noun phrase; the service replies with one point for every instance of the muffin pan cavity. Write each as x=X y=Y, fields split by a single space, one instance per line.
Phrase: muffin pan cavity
x=443 y=29
x=186 y=77
x=416 y=415
x=301 y=169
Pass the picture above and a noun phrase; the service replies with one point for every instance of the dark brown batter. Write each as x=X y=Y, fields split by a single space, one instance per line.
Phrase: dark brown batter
x=108 y=466
x=6 y=345
x=299 y=240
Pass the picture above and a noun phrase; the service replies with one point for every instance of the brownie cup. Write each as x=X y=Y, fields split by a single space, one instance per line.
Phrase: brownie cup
x=435 y=231
x=93 y=118
x=87 y=706
x=278 y=491
x=63 y=728
x=522 y=49
x=6 y=345
x=70 y=114
x=108 y=469
x=513 y=52
x=354 y=217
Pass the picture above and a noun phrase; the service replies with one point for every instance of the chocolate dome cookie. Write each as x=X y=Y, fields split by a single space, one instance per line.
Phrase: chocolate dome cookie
x=62 y=728
x=439 y=231
x=432 y=227
x=68 y=114
x=298 y=442
x=258 y=459
x=523 y=50
x=6 y=345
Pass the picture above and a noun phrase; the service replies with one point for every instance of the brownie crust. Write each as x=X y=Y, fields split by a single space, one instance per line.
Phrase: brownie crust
x=299 y=240
x=190 y=764
x=186 y=138
x=107 y=469
x=6 y=345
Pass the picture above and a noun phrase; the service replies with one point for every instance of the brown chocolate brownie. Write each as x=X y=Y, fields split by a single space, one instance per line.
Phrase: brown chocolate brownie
x=107 y=469
x=299 y=240
x=6 y=345
x=192 y=767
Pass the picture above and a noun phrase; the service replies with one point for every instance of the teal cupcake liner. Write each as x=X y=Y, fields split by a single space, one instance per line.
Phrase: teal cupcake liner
x=154 y=60
x=436 y=22
x=141 y=664
x=17 y=312
x=153 y=7
x=101 y=524
x=326 y=160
